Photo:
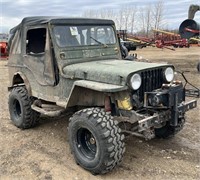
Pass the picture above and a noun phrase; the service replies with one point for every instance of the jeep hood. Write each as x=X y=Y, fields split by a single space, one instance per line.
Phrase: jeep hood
x=108 y=71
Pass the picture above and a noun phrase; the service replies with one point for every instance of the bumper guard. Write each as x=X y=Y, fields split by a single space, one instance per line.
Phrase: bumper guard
x=148 y=122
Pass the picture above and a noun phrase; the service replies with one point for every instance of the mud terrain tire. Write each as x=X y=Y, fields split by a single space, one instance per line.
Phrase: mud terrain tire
x=198 y=67
x=20 y=110
x=95 y=140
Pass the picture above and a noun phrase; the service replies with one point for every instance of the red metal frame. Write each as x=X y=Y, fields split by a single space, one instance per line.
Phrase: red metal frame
x=192 y=30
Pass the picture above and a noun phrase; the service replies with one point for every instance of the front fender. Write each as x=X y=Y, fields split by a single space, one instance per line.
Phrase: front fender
x=89 y=93
x=98 y=86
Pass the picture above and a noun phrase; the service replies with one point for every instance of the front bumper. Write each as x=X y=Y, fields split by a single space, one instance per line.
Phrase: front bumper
x=186 y=106
x=159 y=118
x=166 y=104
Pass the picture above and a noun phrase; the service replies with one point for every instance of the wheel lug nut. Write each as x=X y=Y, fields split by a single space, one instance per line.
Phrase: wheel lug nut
x=92 y=140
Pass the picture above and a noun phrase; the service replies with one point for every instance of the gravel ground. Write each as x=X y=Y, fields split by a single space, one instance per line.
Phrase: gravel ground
x=43 y=152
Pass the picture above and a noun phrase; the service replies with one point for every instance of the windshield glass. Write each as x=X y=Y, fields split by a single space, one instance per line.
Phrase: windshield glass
x=67 y=36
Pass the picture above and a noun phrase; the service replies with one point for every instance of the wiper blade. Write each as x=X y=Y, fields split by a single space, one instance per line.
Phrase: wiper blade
x=104 y=45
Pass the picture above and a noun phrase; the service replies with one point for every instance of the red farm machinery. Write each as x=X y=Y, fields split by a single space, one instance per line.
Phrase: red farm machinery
x=3 y=46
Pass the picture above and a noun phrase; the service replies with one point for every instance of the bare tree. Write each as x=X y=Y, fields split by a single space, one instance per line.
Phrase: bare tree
x=157 y=13
x=121 y=20
x=141 y=19
x=132 y=18
x=89 y=13
x=126 y=16
x=148 y=19
x=151 y=17
x=133 y=11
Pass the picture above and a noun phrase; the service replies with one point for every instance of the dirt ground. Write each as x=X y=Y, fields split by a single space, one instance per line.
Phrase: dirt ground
x=43 y=152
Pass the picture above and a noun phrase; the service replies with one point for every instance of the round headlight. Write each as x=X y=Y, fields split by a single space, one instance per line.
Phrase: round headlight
x=169 y=74
x=136 y=81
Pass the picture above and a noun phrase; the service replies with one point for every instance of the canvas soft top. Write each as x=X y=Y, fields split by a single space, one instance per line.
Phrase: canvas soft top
x=36 y=20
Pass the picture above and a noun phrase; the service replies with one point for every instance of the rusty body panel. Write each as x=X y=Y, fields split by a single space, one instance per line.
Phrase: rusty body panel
x=108 y=71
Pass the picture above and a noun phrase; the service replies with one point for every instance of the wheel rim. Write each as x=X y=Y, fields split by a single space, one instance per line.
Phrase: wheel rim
x=17 y=109
x=86 y=143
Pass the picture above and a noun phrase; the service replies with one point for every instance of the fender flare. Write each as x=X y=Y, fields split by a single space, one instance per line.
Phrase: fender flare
x=25 y=82
x=99 y=86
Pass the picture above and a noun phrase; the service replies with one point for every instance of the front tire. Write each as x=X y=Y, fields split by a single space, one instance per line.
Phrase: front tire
x=20 y=110
x=95 y=140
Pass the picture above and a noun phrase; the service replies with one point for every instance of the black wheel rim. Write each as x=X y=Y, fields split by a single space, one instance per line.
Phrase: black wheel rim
x=17 y=109
x=86 y=143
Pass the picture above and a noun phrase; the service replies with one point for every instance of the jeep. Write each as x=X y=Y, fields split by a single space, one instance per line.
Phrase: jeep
x=59 y=64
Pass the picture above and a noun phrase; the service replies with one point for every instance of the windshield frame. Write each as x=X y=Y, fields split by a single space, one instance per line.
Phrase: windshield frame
x=83 y=35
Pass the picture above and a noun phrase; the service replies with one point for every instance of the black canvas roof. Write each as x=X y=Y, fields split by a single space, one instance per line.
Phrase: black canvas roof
x=36 y=20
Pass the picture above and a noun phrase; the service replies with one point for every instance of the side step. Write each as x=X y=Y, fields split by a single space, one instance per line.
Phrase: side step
x=47 y=109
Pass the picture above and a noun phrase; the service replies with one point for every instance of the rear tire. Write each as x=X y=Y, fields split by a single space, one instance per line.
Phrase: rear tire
x=20 y=110
x=95 y=140
x=169 y=131
x=198 y=67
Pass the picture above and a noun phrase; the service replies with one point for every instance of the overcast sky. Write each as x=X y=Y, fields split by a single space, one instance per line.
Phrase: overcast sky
x=12 y=11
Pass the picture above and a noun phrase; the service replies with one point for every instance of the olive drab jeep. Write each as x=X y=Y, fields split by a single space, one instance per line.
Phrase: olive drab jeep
x=59 y=64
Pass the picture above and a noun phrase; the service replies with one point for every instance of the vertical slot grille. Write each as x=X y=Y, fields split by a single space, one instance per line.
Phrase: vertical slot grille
x=151 y=80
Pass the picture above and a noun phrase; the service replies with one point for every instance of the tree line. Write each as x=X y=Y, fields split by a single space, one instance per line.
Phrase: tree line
x=135 y=19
